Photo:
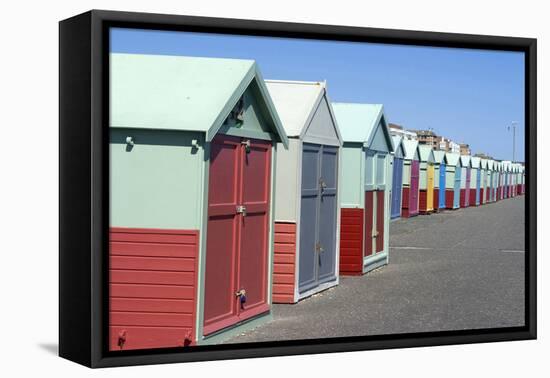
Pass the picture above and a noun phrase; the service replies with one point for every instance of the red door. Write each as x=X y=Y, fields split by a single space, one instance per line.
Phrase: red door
x=380 y=196
x=369 y=222
x=237 y=231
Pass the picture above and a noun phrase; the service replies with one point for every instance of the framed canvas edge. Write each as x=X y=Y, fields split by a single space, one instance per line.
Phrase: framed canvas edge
x=91 y=253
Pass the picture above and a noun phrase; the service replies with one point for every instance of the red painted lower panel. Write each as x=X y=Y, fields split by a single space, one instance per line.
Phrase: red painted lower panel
x=462 y=197
x=472 y=197
x=369 y=222
x=351 y=241
x=436 y=199
x=284 y=267
x=405 y=212
x=481 y=198
x=152 y=280
x=449 y=198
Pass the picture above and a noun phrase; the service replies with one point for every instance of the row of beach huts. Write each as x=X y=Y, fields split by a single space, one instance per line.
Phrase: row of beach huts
x=229 y=193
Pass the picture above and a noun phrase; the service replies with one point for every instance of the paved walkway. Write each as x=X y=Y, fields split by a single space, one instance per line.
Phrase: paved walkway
x=461 y=269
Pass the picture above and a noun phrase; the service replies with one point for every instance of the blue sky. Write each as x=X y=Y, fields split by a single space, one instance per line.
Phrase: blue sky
x=467 y=95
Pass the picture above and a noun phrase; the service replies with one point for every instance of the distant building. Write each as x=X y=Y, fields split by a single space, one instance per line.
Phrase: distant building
x=427 y=137
x=402 y=132
x=483 y=155
x=465 y=149
x=447 y=145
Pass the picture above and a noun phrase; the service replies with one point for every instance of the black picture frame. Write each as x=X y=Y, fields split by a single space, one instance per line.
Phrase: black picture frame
x=84 y=187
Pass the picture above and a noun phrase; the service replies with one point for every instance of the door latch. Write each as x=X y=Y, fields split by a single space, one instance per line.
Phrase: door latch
x=375 y=234
x=319 y=248
x=246 y=144
x=241 y=295
x=322 y=184
x=241 y=210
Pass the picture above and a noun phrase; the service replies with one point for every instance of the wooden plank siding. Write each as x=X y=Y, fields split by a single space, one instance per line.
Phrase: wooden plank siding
x=351 y=241
x=284 y=263
x=152 y=288
x=405 y=202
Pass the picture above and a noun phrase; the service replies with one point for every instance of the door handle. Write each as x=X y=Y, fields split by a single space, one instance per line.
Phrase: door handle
x=241 y=210
x=322 y=185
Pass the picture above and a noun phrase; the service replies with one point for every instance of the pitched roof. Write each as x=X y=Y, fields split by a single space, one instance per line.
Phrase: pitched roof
x=410 y=146
x=439 y=156
x=296 y=103
x=426 y=153
x=484 y=163
x=476 y=162
x=398 y=144
x=181 y=93
x=358 y=122
x=465 y=160
x=453 y=158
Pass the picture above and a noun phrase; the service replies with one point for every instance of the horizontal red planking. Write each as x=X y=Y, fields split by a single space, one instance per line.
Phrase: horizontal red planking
x=153 y=263
x=152 y=277
x=473 y=197
x=449 y=198
x=155 y=319
x=436 y=199
x=152 y=305
x=152 y=281
x=351 y=241
x=149 y=337
x=284 y=258
x=284 y=268
x=462 y=197
x=152 y=249
x=152 y=291
x=405 y=198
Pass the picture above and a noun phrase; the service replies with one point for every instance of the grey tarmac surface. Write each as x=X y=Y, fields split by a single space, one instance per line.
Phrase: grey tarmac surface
x=461 y=269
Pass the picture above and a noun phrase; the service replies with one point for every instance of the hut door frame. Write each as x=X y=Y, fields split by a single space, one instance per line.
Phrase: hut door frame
x=247 y=201
x=375 y=197
x=312 y=251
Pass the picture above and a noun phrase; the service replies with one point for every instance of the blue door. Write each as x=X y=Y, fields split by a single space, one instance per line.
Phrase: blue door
x=328 y=214
x=397 y=178
x=478 y=187
x=442 y=173
x=318 y=215
x=456 y=197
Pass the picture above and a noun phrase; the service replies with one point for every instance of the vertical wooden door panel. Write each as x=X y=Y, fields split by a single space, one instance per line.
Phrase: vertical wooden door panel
x=442 y=185
x=222 y=228
x=430 y=188
x=467 y=190
x=397 y=178
x=458 y=177
x=380 y=213
x=328 y=214
x=415 y=177
x=369 y=222
x=254 y=228
x=308 y=259
x=237 y=243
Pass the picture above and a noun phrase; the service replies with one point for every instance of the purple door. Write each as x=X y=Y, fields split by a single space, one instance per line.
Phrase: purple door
x=415 y=177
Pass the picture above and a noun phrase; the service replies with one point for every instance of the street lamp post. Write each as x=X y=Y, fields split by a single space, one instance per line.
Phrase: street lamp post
x=513 y=127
